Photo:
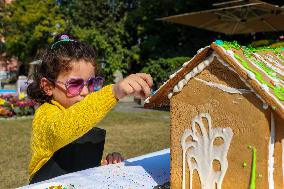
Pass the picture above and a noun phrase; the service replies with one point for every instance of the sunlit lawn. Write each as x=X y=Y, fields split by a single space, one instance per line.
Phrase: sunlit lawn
x=130 y=133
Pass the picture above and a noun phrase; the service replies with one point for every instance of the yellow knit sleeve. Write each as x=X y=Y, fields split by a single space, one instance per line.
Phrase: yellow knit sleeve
x=69 y=124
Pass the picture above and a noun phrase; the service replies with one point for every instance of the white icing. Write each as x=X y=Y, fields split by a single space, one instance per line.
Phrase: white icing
x=224 y=87
x=250 y=74
x=147 y=100
x=268 y=92
x=272 y=59
x=265 y=106
x=199 y=68
x=230 y=53
x=176 y=89
x=207 y=62
x=172 y=76
x=201 y=49
x=170 y=95
x=195 y=71
x=204 y=152
x=188 y=76
x=259 y=97
x=261 y=70
x=268 y=64
x=271 y=153
x=180 y=85
x=264 y=87
x=185 y=64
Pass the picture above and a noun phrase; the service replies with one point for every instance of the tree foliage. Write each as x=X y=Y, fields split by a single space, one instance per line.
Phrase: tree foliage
x=161 y=68
x=29 y=26
x=125 y=33
x=102 y=25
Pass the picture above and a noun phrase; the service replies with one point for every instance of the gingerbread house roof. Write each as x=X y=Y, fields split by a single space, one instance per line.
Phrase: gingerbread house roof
x=262 y=70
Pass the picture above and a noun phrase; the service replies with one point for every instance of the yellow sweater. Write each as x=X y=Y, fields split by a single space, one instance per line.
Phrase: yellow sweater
x=54 y=126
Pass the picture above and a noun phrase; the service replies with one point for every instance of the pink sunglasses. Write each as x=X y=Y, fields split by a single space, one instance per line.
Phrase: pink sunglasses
x=74 y=86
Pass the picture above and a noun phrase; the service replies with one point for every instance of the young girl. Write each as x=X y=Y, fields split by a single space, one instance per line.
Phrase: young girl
x=63 y=137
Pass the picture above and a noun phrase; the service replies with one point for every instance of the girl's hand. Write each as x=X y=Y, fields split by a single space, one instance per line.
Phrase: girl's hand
x=138 y=85
x=112 y=158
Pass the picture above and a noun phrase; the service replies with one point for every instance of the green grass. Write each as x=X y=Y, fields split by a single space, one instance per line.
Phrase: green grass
x=130 y=133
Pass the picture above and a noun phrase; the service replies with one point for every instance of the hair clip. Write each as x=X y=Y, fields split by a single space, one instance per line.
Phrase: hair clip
x=63 y=38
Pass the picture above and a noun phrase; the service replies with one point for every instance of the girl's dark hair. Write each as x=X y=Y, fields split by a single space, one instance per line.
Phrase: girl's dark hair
x=55 y=59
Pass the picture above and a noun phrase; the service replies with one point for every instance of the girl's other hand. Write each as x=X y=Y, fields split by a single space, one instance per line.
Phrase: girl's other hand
x=138 y=85
x=112 y=158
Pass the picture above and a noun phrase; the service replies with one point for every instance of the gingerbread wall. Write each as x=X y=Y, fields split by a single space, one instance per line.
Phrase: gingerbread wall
x=243 y=113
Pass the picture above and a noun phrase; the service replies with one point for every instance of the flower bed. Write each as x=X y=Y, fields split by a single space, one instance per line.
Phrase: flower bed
x=11 y=105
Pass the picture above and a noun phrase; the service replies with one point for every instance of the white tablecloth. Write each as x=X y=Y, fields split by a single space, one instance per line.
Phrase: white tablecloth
x=141 y=172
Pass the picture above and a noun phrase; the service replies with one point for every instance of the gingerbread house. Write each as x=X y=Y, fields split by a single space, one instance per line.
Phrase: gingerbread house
x=227 y=118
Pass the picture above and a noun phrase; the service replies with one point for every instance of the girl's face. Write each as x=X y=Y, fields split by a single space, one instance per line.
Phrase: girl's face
x=79 y=70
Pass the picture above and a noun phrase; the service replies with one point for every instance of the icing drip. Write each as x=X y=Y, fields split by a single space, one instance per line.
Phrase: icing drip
x=271 y=153
x=224 y=87
x=265 y=106
x=202 y=150
x=170 y=95
x=253 y=170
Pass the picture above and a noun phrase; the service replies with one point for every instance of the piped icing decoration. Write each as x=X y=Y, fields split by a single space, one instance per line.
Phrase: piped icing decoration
x=147 y=100
x=200 y=152
x=223 y=87
x=199 y=68
x=271 y=153
x=253 y=169
x=265 y=106
x=260 y=63
x=244 y=164
x=275 y=84
x=270 y=68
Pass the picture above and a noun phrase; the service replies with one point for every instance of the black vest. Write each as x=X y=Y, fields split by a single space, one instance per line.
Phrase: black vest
x=83 y=153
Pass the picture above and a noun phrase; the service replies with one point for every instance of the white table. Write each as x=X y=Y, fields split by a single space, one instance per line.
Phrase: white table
x=141 y=172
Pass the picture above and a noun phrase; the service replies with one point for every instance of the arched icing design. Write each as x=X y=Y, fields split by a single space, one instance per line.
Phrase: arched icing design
x=201 y=148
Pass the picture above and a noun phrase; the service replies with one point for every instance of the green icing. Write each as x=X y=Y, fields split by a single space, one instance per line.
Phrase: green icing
x=244 y=164
x=253 y=170
x=278 y=90
x=263 y=66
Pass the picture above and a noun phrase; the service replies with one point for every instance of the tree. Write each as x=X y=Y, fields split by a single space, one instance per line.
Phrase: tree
x=102 y=25
x=29 y=25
